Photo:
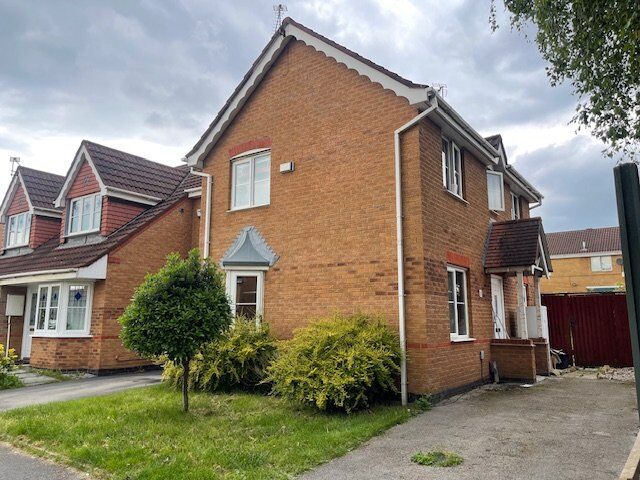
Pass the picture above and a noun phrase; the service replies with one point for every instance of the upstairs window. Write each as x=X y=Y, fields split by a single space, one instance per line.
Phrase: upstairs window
x=451 y=167
x=495 y=190
x=18 y=229
x=250 y=181
x=601 y=264
x=515 y=207
x=84 y=214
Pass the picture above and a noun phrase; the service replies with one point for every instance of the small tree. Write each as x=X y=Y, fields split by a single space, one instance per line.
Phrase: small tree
x=176 y=312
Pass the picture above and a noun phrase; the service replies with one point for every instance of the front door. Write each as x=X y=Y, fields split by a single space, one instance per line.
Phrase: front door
x=29 y=322
x=497 y=306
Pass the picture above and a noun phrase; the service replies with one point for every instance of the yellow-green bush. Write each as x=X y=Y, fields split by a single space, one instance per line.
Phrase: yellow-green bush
x=340 y=363
x=7 y=365
x=238 y=359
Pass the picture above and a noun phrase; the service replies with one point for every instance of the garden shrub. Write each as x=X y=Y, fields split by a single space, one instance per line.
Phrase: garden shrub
x=8 y=365
x=238 y=359
x=340 y=363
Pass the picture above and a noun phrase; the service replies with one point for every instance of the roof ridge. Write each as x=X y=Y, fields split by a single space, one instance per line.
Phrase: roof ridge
x=153 y=162
x=584 y=230
x=29 y=169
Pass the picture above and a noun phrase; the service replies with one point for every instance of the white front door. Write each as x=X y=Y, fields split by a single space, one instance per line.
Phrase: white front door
x=497 y=306
x=29 y=322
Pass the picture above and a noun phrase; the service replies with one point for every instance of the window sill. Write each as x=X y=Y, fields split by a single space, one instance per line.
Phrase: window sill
x=462 y=339
x=232 y=210
x=61 y=335
x=456 y=196
x=11 y=247
x=79 y=234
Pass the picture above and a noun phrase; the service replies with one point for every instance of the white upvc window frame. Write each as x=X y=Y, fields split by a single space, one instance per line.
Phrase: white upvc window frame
x=232 y=277
x=96 y=200
x=599 y=260
x=63 y=301
x=14 y=237
x=455 y=336
x=249 y=159
x=500 y=207
x=452 y=172
x=515 y=207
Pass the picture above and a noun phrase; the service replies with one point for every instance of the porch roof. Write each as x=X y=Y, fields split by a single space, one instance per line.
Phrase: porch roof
x=517 y=245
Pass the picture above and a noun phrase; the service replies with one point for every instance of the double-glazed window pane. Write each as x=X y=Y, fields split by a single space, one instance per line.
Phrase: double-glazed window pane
x=251 y=182
x=515 y=207
x=246 y=296
x=18 y=228
x=85 y=213
x=77 y=307
x=457 y=298
x=43 y=298
x=495 y=191
x=451 y=167
x=601 y=264
x=54 y=302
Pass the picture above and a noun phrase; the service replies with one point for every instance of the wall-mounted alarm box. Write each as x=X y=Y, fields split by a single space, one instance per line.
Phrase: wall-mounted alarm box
x=286 y=167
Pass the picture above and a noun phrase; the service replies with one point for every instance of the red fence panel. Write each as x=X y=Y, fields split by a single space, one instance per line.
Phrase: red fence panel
x=592 y=328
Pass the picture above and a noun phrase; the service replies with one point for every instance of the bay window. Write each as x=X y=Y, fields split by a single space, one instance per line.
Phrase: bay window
x=84 y=214
x=18 y=229
x=250 y=181
x=451 y=167
x=495 y=190
x=62 y=310
x=245 y=290
x=458 y=310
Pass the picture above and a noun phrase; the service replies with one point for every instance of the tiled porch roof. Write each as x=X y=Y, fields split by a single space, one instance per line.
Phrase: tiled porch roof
x=515 y=243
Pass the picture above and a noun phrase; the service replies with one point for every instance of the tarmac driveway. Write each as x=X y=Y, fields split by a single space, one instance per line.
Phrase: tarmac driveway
x=561 y=428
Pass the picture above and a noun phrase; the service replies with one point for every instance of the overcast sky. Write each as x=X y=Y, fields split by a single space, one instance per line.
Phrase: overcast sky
x=148 y=77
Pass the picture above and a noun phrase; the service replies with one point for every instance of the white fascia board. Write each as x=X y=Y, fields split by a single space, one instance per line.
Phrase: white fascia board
x=8 y=198
x=82 y=154
x=45 y=212
x=452 y=117
x=414 y=95
x=131 y=196
x=193 y=192
x=586 y=254
x=96 y=271
x=531 y=195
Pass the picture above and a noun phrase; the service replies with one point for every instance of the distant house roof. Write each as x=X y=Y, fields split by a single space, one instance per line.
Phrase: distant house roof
x=516 y=244
x=122 y=172
x=584 y=242
x=42 y=187
x=52 y=256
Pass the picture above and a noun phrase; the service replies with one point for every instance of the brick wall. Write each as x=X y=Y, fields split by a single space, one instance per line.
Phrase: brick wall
x=116 y=212
x=516 y=359
x=574 y=275
x=61 y=353
x=332 y=220
x=542 y=355
x=19 y=204
x=17 y=323
x=85 y=183
x=43 y=229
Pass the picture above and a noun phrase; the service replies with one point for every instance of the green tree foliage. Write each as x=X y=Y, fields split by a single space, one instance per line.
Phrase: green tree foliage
x=594 y=44
x=340 y=363
x=237 y=359
x=177 y=311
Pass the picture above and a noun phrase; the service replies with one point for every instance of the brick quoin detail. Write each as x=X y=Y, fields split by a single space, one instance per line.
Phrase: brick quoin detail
x=250 y=145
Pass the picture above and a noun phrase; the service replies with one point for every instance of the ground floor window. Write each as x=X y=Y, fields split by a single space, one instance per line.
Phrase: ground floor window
x=245 y=289
x=458 y=310
x=62 y=309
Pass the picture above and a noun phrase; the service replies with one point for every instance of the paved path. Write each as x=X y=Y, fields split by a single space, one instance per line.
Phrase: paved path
x=88 y=387
x=562 y=428
x=16 y=465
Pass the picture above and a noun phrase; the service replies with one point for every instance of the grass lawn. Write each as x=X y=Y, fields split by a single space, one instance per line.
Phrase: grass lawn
x=142 y=434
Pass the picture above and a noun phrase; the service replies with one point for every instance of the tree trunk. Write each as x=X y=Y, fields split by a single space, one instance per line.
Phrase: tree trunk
x=185 y=385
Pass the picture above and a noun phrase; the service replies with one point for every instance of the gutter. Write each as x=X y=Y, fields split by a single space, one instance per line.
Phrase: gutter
x=207 y=212
x=400 y=248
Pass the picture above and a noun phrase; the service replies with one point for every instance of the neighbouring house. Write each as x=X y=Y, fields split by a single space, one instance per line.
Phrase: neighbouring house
x=76 y=247
x=585 y=261
x=334 y=184
x=326 y=183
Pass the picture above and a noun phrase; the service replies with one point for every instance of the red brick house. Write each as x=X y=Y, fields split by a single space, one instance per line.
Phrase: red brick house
x=328 y=184
x=75 y=248
x=336 y=184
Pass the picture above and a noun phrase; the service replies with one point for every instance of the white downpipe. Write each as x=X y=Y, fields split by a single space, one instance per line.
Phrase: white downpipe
x=400 y=249
x=207 y=212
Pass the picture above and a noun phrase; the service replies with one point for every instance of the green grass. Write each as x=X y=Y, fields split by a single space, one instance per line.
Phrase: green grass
x=142 y=434
x=437 y=458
